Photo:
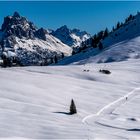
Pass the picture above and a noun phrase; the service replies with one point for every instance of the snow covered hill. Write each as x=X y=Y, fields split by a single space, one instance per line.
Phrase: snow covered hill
x=36 y=104
x=120 y=45
x=127 y=31
x=32 y=46
x=122 y=51
x=73 y=37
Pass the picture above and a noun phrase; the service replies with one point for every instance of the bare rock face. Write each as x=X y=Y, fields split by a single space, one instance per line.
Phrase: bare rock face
x=18 y=26
x=16 y=15
x=30 y=45
x=71 y=37
x=63 y=33
x=41 y=34
x=9 y=42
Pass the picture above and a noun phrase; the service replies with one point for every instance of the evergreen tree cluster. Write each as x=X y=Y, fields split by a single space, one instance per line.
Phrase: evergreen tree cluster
x=131 y=17
x=9 y=61
x=97 y=38
x=15 y=61
x=118 y=25
x=53 y=60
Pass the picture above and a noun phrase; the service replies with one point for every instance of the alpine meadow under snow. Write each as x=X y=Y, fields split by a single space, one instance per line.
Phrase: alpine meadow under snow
x=35 y=102
x=104 y=83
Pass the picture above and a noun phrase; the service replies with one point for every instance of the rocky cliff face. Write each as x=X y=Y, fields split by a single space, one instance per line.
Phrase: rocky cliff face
x=18 y=26
x=73 y=37
x=31 y=45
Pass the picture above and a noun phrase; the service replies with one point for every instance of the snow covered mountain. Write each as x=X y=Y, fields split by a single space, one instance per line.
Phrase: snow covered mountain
x=35 y=101
x=120 y=45
x=32 y=46
x=73 y=37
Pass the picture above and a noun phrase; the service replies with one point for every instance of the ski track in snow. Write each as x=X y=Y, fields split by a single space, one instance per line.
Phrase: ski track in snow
x=102 y=110
x=105 y=108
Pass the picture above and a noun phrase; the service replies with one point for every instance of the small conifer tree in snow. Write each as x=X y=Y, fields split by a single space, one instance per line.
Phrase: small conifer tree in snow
x=72 y=107
x=55 y=59
x=63 y=55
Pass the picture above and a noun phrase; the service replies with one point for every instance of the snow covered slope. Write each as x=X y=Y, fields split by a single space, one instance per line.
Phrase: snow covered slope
x=120 y=45
x=72 y=38
x=34 y=102
x=128 y=49
x=32 y=46
x=127 y=31
x=125 y=50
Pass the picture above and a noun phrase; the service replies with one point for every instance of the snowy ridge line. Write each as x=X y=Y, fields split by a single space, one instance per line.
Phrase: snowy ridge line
x=109 y=105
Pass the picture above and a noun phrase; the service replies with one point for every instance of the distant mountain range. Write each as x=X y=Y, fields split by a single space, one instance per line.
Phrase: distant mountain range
x=120 y=44
x=33 y=46
x=72 y=38
x=20 y=38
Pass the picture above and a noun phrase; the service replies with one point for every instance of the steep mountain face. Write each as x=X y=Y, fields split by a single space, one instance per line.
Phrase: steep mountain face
x=72 y=38
x=120 y=45
x=32 y=46
x=18 y=26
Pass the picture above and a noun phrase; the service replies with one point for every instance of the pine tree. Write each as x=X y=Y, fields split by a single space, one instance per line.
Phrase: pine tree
x=51 y=59
x=63 y=55
x=106 y=32
x=113 y=29
x=72 y=107
x=118 y=25
x=121 y=24
x=94 y=41
x=100 y=45
x=55 y=59
x=73 y=52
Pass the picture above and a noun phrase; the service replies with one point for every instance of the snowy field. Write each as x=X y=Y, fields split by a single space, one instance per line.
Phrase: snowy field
x=34 y=102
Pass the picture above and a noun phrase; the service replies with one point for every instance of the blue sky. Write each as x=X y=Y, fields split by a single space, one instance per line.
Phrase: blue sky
x=91 y=16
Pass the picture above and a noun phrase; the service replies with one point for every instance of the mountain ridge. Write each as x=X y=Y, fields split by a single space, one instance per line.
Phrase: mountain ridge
x=31 y=45
x=71 y=37
x=119 y=45
x=39 y=46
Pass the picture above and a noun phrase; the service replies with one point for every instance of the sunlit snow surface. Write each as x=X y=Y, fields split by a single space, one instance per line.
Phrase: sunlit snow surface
x=34 y=102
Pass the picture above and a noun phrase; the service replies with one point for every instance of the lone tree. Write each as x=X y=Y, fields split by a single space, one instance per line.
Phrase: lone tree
x=72 y=107
x=55 y=59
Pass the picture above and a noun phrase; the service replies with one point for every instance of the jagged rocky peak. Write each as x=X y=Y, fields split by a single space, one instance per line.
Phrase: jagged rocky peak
x=80 y=33
x=63 y=29
x=41 y=33
x=71 y=37
x=18 y=26
x=63 y=33
x=16 y=15
x=32 y=46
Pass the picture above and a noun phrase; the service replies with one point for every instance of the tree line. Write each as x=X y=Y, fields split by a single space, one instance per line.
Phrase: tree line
x=96 y=40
